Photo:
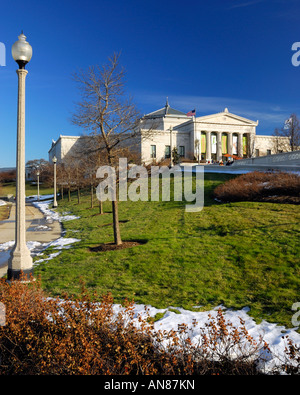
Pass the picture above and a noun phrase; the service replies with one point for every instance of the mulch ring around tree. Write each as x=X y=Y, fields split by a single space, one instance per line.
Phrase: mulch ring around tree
x=112 y=246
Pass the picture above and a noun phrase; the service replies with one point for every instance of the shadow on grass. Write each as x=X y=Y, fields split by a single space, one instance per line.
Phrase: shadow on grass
x=113 y=247
x=222 y=230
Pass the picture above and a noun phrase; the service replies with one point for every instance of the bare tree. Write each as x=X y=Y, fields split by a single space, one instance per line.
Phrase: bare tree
x=291 y=132
x=90 y=149
x=104 y=110
x=280 y=143
x=36 y=165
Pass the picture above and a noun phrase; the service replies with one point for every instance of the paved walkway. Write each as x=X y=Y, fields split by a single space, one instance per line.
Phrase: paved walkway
x=37 y=229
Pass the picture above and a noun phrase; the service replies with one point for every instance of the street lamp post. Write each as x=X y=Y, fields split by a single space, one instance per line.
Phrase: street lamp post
x=54 y=160
x=38 y=185
x=171 y=144
x=20 y=260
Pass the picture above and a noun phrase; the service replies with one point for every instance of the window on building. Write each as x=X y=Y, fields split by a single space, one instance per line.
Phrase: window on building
x=269 y=152
x=167 y=151
x=153 y=151
x=182 y=151
x=257 y=152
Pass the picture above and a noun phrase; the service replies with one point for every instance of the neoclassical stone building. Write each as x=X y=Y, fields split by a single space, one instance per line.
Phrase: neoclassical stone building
x=207 y=138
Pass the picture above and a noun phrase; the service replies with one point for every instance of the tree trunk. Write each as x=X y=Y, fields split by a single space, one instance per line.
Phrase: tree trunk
x=78 y=195
x=92 y=196
x=69 y=194
x=116 y=225
x=117 y=234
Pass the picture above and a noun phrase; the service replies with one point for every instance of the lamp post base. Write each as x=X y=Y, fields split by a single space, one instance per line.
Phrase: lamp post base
x=25 y=275
x=20 y=264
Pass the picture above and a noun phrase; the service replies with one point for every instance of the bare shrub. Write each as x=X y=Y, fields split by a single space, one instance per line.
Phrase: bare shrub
x=62 y=336
x=260 y=186
x=8 y=176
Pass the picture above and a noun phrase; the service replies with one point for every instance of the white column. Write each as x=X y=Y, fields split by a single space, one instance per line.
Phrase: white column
x=229 y=143
x=171 y=144
x=251 y=145
x=20 y=259
x=208 y=146
x=219 y=146
x=240 y=145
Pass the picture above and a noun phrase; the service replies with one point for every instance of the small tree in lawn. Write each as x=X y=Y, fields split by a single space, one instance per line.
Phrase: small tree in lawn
x=91 y=151
x=104 y=111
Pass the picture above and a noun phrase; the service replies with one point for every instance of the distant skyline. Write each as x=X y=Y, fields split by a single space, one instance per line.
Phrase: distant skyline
x=202 y=55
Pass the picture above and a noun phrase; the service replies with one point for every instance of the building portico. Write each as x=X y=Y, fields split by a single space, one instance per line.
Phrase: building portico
x=214 y=136
x=215 y=145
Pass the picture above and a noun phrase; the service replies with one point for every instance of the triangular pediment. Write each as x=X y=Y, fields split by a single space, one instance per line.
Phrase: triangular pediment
x=226 y=117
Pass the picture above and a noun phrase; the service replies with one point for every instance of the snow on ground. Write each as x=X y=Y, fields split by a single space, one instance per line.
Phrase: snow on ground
x=51 y=215
x=40 y=228
x=272 y=334
x=2 y=203
x=60 y=244
x=33 y=198
x=36 y=247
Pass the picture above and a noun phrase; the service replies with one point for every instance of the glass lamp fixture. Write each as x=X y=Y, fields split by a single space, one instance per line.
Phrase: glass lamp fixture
x=21 y=51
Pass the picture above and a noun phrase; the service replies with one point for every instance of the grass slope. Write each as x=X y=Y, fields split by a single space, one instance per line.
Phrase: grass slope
x=235 y=254
x=9 y=188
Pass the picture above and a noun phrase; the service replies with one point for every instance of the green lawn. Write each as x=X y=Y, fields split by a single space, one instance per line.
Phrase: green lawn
x=235 y=254
x=9 y=188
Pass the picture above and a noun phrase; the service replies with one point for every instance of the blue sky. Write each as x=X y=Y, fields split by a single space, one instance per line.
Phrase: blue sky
x=206 y=55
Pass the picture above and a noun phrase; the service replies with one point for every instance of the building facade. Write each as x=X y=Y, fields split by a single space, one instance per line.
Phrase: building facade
x=207 y=138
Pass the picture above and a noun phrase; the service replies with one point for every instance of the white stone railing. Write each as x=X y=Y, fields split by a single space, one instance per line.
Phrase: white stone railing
x=285 y=158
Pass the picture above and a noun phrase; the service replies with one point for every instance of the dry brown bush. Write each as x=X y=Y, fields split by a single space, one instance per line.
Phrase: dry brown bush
x=8 y=176
x=261 y=186
x=61 y=336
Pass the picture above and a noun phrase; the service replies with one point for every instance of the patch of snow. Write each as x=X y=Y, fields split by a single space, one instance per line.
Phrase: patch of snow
x=40 y=228
x=63 y=243
x=59 y=244
x=272 y=334
x=32 y=198
x=51 y=256
x=51 y=215
x=36 y=247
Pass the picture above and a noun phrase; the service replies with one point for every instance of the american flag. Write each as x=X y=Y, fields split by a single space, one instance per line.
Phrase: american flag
x=191 y=113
